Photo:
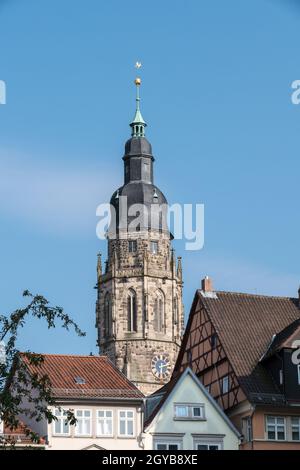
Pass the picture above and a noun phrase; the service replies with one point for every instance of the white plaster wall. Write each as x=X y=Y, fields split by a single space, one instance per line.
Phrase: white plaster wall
x=116 y=442
x=187 y=391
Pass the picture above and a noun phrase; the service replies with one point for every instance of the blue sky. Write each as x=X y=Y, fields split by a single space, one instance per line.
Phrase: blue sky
x=216 y=96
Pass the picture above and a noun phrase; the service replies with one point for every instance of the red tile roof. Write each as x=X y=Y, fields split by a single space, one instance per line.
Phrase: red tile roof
x=101 y=377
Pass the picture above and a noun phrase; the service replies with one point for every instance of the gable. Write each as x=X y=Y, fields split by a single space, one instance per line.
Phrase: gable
x=188 y=390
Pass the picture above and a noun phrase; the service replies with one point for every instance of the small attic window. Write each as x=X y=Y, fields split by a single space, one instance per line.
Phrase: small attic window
x=79 y=380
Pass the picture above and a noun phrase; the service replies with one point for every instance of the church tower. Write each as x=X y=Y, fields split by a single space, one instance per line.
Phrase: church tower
x=139 y=310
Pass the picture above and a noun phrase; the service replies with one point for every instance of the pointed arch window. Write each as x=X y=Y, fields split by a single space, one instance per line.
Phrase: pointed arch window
x=176 y=310
x=159 y=312
x=107 y=315
x=132 y=311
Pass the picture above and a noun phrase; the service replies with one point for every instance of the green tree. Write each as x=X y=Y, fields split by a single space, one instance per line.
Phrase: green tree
x=16 y=384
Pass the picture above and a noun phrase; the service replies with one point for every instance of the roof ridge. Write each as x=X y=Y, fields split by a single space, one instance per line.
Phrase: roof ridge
x=65 y=355
x=247 y=294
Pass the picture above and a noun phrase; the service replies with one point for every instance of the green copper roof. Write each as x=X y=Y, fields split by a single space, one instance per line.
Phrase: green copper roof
x=138 y=124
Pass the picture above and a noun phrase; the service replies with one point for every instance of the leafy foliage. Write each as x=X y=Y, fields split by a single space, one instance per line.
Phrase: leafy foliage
x=23 y=393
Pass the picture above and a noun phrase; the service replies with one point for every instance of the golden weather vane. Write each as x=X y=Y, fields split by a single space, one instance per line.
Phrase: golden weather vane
x=138 y=81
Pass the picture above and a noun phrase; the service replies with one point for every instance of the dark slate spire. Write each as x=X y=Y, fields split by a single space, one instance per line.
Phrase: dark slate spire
x=138 y=184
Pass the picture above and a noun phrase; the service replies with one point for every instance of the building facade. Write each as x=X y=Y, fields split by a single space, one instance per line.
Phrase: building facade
x=241 y=347
x=139 y=310
x=184 y=416
x=109 y=410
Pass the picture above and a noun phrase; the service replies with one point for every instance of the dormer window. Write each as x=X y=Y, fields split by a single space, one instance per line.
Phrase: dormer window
x=79 y=380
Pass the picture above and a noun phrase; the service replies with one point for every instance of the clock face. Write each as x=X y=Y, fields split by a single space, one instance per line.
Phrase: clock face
x=161 y=366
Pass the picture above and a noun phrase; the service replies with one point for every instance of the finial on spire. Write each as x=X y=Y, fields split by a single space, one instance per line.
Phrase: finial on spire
x=138 y=124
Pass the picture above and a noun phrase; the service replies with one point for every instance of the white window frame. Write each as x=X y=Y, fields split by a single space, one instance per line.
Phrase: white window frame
x=190 y=416
x=247 y=428
x=167 y=441
x=181 y=405
x=209 y=441
x=276 y=425
x=298 y=369
x=1 y=426
x=297 y=426
x=126 y=422
x=105 y=419
x=77 y=434
x=60 y=418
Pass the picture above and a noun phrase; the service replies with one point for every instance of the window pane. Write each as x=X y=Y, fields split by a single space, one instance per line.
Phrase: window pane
x=181 y=411
x=213 y=447
x=130 y=428
x=161 y=447
x=122 y=427
x=65 y=427
x=79 y=427
x=281 y=434
x=101 y=430
x=270 y=420
x=154 y=247
x=87 y=426
x=197 y=412
x=173 y=447
x=57 y=427
x=122 y=414
x=202 y=447
x=79 y=413
x=295 y=435
x=130 y=414
x=108 y=427
x=100 y=414
x=295 y=421
x=109 y=414
x=87 y=413
x=280 y=420
x=271 y=434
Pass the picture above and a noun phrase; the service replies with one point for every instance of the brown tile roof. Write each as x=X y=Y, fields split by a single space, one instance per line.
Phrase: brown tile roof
x=101 y=378
x=246 y=324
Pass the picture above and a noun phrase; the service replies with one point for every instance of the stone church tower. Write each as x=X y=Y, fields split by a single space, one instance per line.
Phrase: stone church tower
x=139 y=310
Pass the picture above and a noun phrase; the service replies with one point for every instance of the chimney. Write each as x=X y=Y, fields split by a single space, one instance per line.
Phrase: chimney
x=206 y=284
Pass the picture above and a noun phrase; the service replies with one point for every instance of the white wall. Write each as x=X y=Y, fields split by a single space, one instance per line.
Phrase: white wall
x=187 y=391
x=73 y=442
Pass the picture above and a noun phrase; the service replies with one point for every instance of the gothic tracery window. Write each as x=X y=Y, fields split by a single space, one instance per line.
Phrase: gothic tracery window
x=159 y=312
x=132 y=311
